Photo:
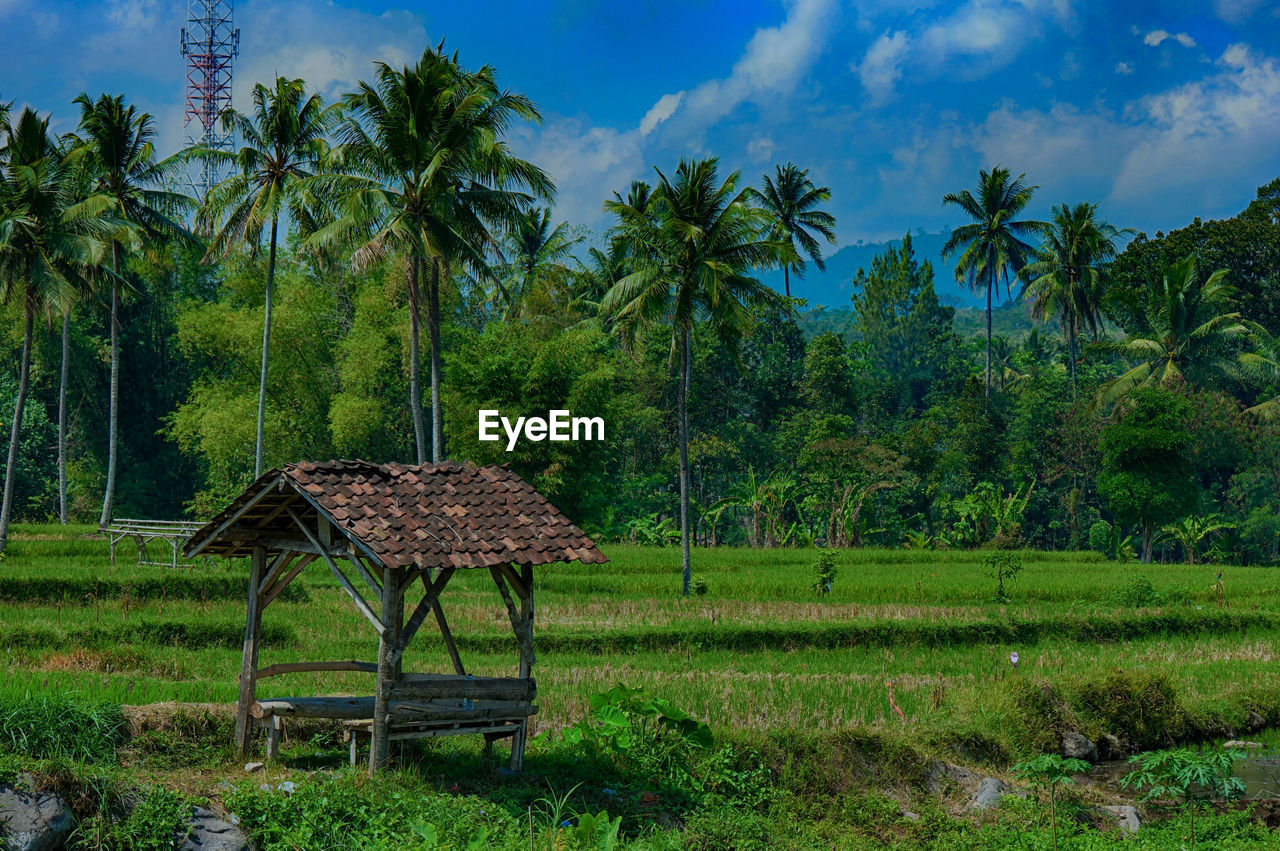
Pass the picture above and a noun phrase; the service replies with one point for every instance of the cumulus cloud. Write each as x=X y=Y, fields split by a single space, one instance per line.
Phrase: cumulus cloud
x=660 y=112
x=760 y=149
x=881 y=67
x=1155 y=38
x=1236 y=11
x=1124 y=68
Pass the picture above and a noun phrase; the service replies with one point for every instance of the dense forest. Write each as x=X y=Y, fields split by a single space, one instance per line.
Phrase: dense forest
x=407 y=265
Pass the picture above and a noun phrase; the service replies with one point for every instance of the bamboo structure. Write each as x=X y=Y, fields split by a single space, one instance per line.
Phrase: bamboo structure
x=384 y=531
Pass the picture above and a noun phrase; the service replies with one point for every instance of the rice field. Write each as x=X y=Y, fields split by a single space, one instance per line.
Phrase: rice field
x=759 y=652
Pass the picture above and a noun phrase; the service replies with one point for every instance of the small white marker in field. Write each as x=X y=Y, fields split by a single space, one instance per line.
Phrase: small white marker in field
x=1013 y=657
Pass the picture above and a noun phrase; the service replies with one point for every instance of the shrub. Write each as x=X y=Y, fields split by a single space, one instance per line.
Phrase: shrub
x=824 y=572
x=1139 y=707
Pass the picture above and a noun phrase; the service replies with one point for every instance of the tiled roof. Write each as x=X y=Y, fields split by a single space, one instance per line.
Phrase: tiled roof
x=448 y=515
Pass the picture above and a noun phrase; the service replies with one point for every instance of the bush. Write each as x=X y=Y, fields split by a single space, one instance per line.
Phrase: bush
x=1139 y=707
x=824 y=572
x=1141 y=593
x=56 y=726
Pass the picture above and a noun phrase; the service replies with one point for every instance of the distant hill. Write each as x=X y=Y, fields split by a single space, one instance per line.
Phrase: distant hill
x=834 y=287
x=1011 y=320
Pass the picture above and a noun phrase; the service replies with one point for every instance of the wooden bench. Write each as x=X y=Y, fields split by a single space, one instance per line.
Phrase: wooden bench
x=143 y=532
x=419 y=706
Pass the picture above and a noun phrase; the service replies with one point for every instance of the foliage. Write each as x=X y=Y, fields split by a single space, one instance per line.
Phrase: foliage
x=1186 y=776
x=646 y=734
x=1141 y=593
x=824 y=572
x=1047 y=772
x=1003 y=567
x=1191 y=532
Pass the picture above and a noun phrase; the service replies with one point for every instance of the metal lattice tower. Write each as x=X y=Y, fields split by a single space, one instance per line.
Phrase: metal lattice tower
x=210 y=43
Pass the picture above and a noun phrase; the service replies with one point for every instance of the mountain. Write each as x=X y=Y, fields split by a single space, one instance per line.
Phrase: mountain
x=834 y=287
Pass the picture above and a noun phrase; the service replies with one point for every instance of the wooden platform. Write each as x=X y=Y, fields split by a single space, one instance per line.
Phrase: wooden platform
x=419 y=706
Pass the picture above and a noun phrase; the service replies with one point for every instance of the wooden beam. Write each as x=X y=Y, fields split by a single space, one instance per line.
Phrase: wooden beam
x=446 y=633
x=355 y=542
x=275 y=542
x=303 y=667
x=217 y=533
x=277 y=511
x=379 y=749
x=473 y=688
x=364 y=572
x=524 y=631
x=516 y=585
x=420 y=613
x=284 y=581
x=249 y=655
x=278 y=565
x=364 y=608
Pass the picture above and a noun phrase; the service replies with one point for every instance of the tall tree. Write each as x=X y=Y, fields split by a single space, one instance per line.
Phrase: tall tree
x=42 y=250
x=991 y=247
x=695 y=245
x=1066 y=277
x=284 y=142
x=117 y=141
x=791 y=199
x=533 y=251
x=431 y=178
x=1179 y=328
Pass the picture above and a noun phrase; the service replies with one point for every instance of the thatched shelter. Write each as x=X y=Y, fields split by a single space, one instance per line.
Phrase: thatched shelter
x=388 y=528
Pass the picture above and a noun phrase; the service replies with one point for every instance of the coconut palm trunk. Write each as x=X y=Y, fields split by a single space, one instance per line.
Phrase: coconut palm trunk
x=686 y=346
x=786 y=280
x=1073 y=349
x=433 y=330
x=62 y=418
x=415 y=361
x=24 y=385
x=109 y=497
x=266 y=353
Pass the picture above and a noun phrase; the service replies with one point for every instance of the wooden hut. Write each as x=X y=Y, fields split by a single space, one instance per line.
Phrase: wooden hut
x=388 y=528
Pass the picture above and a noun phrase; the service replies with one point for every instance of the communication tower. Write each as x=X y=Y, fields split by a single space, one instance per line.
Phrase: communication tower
x=210 y=43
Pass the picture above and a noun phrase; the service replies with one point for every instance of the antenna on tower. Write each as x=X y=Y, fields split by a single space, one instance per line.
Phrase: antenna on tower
x=210 y=43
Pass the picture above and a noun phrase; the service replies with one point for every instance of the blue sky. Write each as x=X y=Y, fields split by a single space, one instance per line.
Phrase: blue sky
x=1160 y=111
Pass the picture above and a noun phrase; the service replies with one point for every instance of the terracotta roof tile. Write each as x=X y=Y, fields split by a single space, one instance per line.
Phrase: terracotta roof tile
x=455 y=515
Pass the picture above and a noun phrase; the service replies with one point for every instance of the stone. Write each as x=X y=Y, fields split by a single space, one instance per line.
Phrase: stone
x=1127 y=817
x=937 y=772
x=251 y=767
x=1242 y=745
x=1076 y=746
x=33 y=821
x=1109 y=747
x=989 y=793
x=208 y=832
x=1253 y=722
x=910 y=816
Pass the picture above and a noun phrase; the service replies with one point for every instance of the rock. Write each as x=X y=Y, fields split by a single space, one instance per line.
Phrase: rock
x=209 y=833
x=990 y=790
x=937 y=772
x=1109 y=747
x=910 y=816
x=1076 y=746
x=1237 y=743
x=251 y=767
x=1127 y=817
x=1254 y=722
x=33 y=821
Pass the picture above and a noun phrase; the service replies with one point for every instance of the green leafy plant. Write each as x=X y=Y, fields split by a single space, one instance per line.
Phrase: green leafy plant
x=654 y=532
x=1003 y=567
x=644 y=733
x=824 y=572
x=698 y=585
x=1046 y=773
x=1186 y=776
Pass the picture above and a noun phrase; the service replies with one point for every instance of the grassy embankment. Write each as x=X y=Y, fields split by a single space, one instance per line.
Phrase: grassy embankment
x=760 y=657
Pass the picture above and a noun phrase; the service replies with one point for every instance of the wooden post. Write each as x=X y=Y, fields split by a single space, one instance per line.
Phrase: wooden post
x=525 y=635
x=386 y=670
x=249 y=659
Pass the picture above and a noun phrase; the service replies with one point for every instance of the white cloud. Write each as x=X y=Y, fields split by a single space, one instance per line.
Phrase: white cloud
x=660 y=112
x=1155 y=38
x=133 y=16
x=881 y=67
x=977 y=29
x=1124 y=68
x=587 y=163
x=760 y=149
x=1236 y=11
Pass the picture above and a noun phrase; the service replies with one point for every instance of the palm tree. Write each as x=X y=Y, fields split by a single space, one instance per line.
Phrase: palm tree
x=1066 y=276
x=1191 y=531
x=1179 y=328
x=1263 y=364
x=117 y=143
x=791 y=200
x=991 y=246
x=284 y=144
x=42 y=249
x=430 y=178
x=533 y=250
x=693 y=245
